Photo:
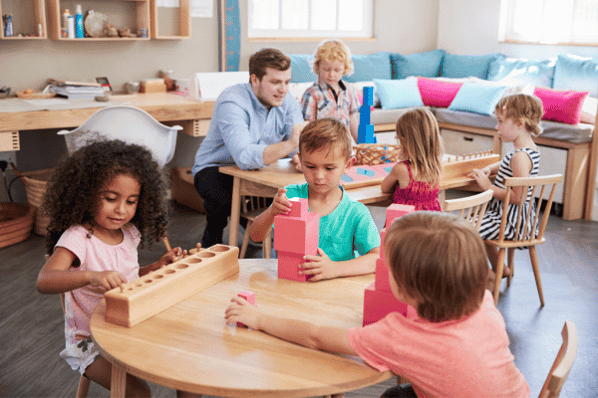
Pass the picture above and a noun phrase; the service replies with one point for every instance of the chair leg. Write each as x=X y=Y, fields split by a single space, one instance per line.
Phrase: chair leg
x=267 y=246
x=499 y=268
x=83 y=387
x=245 y=240
x=511 y=262
x=536 y=268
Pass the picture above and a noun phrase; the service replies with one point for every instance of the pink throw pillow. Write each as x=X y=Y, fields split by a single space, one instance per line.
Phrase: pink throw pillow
x=437 y=93
x=561 y=106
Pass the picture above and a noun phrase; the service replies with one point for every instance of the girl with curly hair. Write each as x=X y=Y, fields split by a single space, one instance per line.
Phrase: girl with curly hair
x=102 y=201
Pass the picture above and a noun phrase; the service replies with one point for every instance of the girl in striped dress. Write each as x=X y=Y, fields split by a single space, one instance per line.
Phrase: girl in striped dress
x=518 y=119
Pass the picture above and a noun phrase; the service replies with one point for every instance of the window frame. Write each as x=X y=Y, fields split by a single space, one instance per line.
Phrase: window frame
x=367 y=32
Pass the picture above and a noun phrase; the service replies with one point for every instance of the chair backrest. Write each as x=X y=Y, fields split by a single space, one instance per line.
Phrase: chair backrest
x=535 y=188
x=562 y=364
x=127 y=123
x=471 y=208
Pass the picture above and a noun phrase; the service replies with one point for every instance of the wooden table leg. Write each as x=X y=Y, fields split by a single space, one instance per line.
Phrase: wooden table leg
x=235 y=213
x=118 y=382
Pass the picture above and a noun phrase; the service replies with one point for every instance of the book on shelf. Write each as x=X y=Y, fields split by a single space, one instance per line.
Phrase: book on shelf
x=63 y=83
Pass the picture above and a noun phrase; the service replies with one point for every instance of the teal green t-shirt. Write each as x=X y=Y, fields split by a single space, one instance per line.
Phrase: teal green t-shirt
x=347 y=230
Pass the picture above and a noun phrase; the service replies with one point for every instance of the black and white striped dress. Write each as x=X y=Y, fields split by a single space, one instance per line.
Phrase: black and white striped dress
x=490 y=227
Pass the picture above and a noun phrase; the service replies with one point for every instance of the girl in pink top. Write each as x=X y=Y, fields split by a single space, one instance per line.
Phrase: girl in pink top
x=456 y=345
x=415 y=180
x=103 y=201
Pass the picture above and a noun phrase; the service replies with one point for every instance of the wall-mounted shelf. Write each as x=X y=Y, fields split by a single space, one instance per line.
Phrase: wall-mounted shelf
x=137 y=12
x=161 y=18
x=22 y=23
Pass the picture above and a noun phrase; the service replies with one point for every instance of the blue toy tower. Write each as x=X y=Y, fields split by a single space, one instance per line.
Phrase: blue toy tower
x=365 y=133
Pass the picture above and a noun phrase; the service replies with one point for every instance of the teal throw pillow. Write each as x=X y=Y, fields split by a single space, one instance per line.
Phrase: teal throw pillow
x=396 y=94
x=425 y=64
x=370 y=67
x=468 y=65
x=301 y=68
x=477 y=98
x=538 y=73
x=576 y=73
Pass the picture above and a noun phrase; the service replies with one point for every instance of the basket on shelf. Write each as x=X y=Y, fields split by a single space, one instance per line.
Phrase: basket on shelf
x=36 y=183
x=16 y=222
x=373 y=154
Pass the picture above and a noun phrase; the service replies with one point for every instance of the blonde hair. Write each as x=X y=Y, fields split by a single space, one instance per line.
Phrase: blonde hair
x=523 y=108
x=439 y=260
x=325 y=132
x=333 y=50
x=418 y=132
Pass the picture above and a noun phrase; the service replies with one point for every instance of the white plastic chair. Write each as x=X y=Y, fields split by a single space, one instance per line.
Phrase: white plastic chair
x=127 y=123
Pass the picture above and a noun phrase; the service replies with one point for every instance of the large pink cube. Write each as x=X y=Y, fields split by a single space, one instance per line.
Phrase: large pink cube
x=382 y=276
x=288 y=266
x=297 y=235
x=377 y=304
x=395 y=211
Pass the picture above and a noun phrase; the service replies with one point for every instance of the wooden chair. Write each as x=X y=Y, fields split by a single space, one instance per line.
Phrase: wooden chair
x=562 y=364
x=471 y=208
x=253 y=206
x=84 y=382
x=545 y=185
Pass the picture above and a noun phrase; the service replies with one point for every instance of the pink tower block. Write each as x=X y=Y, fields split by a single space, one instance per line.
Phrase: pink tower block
x=395 y=211
x=377 y=304
x=382 y=236
x=297 y=235
x=250 y=298
x=382 y=276
x=288 y=266
x=298 y=208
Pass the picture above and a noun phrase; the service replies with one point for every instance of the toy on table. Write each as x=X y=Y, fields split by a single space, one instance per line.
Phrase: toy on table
x=250 y=298
x=365 y=132
x=358 y=176
x=296 y=234
x=378 y=299
x=163 y=288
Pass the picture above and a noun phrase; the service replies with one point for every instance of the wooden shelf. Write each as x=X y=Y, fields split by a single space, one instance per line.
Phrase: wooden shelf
x=115 y=15
x=182 y=16
x=21 y=11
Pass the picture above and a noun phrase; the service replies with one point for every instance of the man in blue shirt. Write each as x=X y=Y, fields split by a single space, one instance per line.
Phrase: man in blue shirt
x=253 y=125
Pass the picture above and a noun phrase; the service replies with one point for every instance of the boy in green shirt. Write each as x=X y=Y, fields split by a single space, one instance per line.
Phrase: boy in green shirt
x=346 y=225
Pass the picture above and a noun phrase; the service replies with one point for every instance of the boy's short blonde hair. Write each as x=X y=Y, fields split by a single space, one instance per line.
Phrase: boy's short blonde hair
x=439 y=260
x=523 y=108
x=325 y=132
x=333 y=50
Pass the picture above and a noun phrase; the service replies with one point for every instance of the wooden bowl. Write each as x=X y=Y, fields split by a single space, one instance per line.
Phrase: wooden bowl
x=39 y=95
x=16 y=222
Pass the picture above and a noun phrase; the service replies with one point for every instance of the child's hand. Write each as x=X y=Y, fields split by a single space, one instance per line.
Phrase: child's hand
x=319 y=267
x=172 y=256
x=481 y=178
x=107 y=280
x=281 y=204
x=241 y=311
x=297 y=162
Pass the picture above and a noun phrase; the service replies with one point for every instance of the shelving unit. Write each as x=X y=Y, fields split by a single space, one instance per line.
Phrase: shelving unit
x=20 y=9
x=182 y=16
x=141 y=20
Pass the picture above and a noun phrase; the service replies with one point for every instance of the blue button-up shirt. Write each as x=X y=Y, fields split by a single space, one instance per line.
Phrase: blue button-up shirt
x=242 y=127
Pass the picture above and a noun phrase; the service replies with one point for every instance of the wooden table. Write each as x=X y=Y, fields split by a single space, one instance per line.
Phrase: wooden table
x=167 y=108
x=266 y=181
x=189 y=347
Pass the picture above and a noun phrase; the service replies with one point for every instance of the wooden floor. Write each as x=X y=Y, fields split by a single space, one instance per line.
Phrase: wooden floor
x=32 y=328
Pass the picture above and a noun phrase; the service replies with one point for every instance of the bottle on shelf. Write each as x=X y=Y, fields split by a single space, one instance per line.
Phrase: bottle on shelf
x=64 y=31
x=79 y=22
x=71 y=26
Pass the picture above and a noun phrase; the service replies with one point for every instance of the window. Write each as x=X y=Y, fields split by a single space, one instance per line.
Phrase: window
x=310 y=18
x=550 y=21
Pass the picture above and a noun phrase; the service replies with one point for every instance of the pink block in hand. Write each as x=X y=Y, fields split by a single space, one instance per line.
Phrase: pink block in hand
x=395 y=211
x=288 y=266
x=298 y=208
x=382 y=276
x=297 y=235
x=377 y=304
x=250 y=298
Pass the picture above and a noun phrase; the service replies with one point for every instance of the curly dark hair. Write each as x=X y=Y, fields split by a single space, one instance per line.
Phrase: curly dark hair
x=72 y=195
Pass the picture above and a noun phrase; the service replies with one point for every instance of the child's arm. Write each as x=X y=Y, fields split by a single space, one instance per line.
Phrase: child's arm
x=300 y=332
x=262 y=223
x=521 y=165
x=173 y=255
x=398 y=175
x=322 y=267
x=354 y=126
x=55 y=276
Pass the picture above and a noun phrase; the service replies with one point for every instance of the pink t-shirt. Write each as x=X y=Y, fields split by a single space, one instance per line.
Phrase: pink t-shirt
x=466 y=358
x=95 y=255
